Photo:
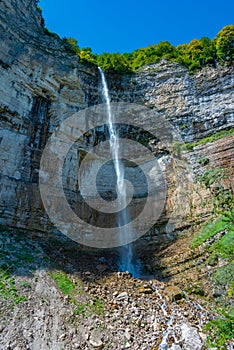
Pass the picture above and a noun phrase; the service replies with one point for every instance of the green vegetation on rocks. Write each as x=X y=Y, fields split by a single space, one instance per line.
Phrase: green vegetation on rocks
x=63 y=282
x=194 y=55
x=214 y=137
x=221 y=329
x=7 y=287
x=219 y=238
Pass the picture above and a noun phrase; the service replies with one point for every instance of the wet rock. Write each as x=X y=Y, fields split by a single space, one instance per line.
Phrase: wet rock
x=190 y=338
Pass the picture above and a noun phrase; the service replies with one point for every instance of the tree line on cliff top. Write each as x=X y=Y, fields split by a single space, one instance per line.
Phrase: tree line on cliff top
x=194 y=55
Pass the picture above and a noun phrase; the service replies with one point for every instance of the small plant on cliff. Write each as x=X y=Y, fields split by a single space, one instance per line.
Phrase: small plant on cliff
x=72 y=44
x=48 y=32
x=211 y=176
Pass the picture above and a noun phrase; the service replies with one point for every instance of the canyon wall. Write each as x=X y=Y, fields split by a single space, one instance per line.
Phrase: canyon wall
x=43 y=82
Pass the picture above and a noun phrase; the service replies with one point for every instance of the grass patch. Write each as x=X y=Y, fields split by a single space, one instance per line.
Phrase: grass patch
x=69 y=288
x=218 y=135
x=88 y=309
x=208 y=231
x=80 y=310
x=7 y=288
x=220 y=330
x=222 y=248
x=63 y=282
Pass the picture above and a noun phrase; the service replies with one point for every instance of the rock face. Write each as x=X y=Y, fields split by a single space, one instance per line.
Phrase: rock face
x=43 y=83
x=199 y=105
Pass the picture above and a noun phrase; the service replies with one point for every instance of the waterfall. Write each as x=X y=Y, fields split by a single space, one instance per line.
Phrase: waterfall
x=126 y=253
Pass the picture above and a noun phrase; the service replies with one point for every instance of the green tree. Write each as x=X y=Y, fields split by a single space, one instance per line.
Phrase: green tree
x=209 y=54
x=165 y=50
x=86 y=54
x=225 y=43
x=73 y=43
x=114 y=62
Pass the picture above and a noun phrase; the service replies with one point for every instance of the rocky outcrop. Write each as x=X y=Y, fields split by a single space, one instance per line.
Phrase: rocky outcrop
x=43 y=82
x=199 y=105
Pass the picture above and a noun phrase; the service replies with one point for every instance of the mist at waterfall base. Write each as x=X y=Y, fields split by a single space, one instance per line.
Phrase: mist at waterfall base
x=127 y=261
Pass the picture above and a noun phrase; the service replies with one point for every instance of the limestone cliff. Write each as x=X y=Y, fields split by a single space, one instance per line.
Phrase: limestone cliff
x=43 y=82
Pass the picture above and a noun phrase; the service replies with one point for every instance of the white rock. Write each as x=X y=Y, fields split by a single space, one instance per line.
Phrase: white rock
x=127 y=334
x=190 y=337
x=123 y=295
x=97 y=343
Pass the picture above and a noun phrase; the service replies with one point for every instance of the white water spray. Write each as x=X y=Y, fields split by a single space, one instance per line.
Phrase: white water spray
x=126 y=254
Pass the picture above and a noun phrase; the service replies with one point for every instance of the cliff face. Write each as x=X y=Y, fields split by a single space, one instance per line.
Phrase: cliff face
x=42 y=83
x=199 y=105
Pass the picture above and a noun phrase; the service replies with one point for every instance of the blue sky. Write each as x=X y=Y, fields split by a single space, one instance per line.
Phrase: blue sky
x=125 y=25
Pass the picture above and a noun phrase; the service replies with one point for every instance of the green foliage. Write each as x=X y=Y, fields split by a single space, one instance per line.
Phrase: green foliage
x=209 y=230
x=221 y=329
x=7 y=287
x=211 y=176
x=88 y=309
x=39 y=9
x=218 y=135
x=97 y=306
x=152 y=54
x=194 y=55
x=203 y=161
x=197 y=53
x=63 y=282
x=114 y=63
x=224 y=275
x=80 y=309
x=48 y=32
x=222 y=248
x=73 y=44
x=225 y=44
x=86 y=54
x=225 y=246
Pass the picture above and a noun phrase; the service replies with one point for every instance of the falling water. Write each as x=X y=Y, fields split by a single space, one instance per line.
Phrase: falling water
x=126 y=254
